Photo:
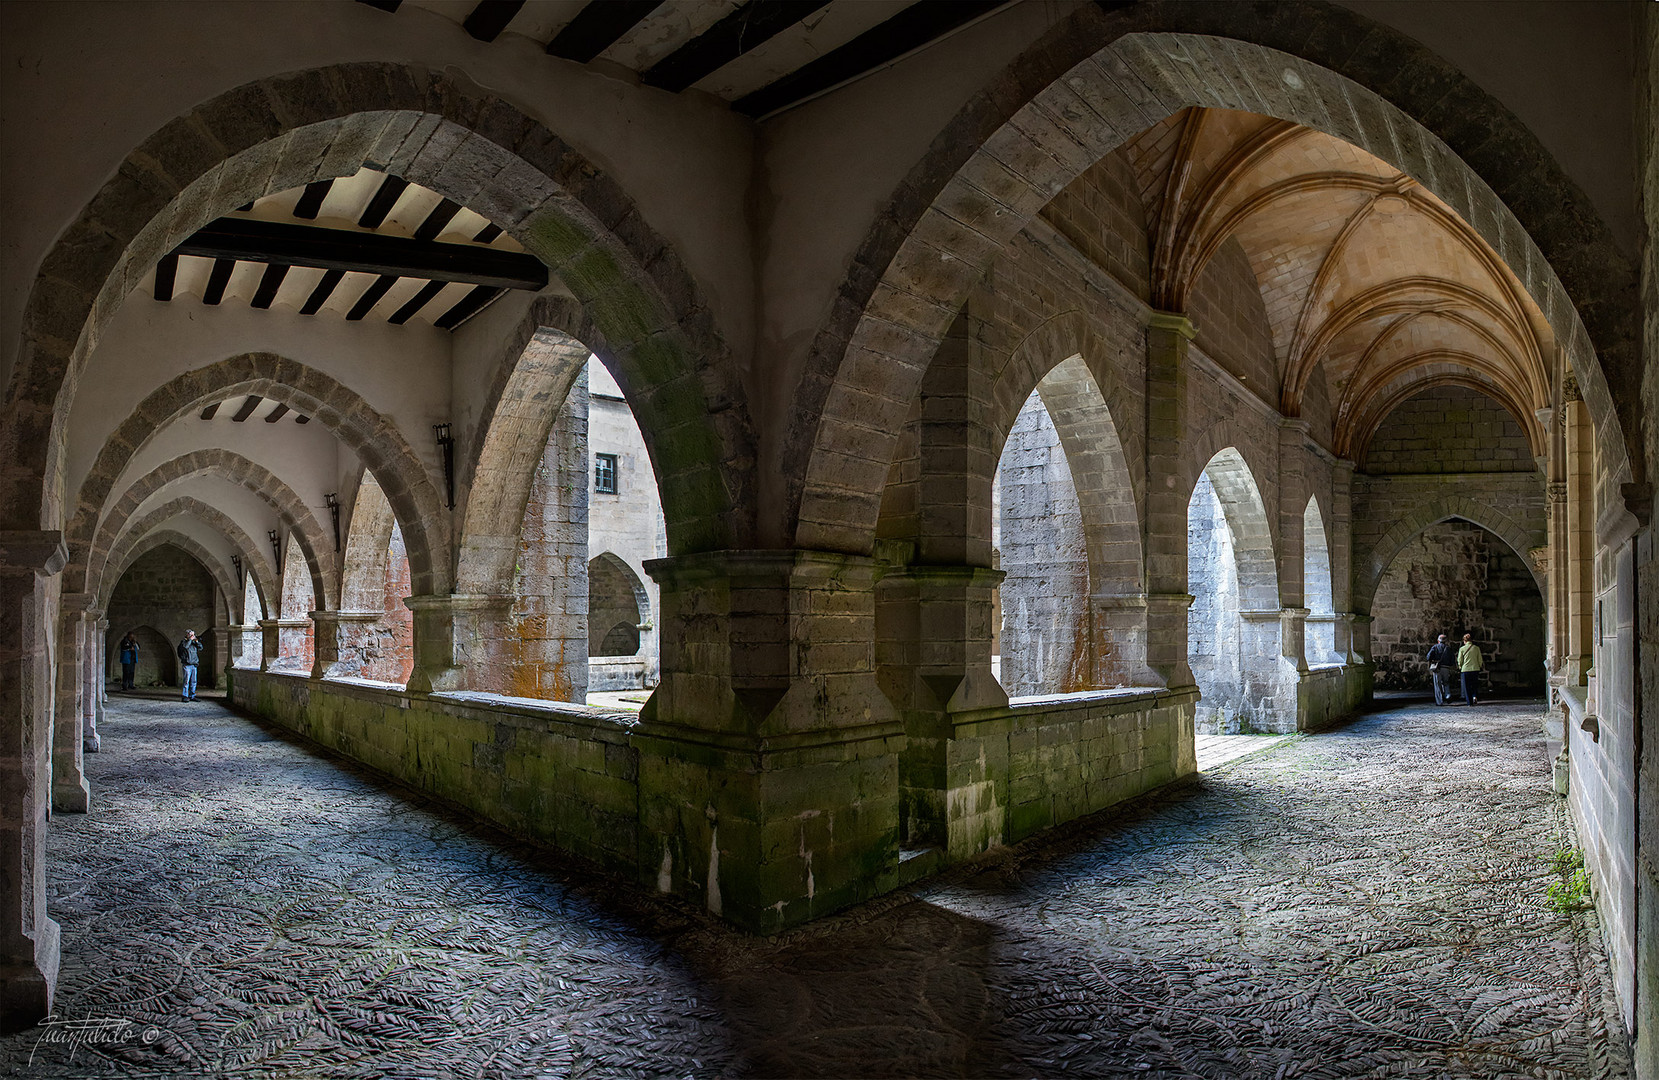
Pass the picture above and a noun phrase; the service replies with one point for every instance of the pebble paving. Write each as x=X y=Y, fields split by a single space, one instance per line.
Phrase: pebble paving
x=1367 y=902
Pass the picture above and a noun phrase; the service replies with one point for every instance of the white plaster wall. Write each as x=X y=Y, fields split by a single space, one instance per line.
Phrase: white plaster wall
x=236 y=502
x=403 y=372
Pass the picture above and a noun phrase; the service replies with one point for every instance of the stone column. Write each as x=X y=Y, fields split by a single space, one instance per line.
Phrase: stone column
x=70 y=791
x=933 y=650
x=1168 y=338
x=459 y=642
x=1359 y=636
x=1581 y=539
x=29 y=939
x=768 y=757
x=275 y=633
x=92 y=696
x=1117 y=651
x=1292 y=547
x=1342 y=559
x=342 y=640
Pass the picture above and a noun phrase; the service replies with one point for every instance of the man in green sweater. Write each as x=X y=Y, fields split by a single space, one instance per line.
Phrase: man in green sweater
x=1468 y=663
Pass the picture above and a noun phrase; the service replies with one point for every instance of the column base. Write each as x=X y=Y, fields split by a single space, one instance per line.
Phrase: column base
x=27 y=985
x=72 y=798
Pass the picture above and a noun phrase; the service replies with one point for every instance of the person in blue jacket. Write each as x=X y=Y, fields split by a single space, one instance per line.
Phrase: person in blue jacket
x=129 y=660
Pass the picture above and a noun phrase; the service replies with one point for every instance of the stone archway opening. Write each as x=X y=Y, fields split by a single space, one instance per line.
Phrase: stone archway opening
x=167 y=590
x=1456 y=577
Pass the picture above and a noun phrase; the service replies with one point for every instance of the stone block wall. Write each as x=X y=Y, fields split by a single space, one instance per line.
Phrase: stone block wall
x=164 y=593
x=1449 y=429
x=1100 y=212
x=1227 y=310
x=1213 y=630
x=389 y=654
x=1043 y=600
x=1455 y=578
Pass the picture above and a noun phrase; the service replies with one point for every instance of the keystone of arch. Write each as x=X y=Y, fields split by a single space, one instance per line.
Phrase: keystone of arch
x=1096 y=79
x=238 y=469
x=433 y=129
x=374 y=439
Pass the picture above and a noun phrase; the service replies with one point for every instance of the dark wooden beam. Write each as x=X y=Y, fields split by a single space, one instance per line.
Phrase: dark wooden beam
x=325 y=288
x=277 y=413
x=911 y=28
x=249 y=404
x=338 y=249
x=312 y=201
x=490 y=17
x=302 y=419
x=208 y=413
x=387 y=6
x=440 y=216
x=469 y=305
x=418 y=301
x=487 y=233
x=385 y=197
x=744 y=30
x=217 y=280
x=598 y=26
x=269 y=284
x=371 y=296
x=167 y=271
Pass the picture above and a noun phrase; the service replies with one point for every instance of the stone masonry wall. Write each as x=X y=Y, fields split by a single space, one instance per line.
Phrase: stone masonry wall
x=1455 y=578
x=392 y=655
x=1449 y=429
x=1041 y=537
x=1231 y=320
x=1213 y=621
x=170 y=592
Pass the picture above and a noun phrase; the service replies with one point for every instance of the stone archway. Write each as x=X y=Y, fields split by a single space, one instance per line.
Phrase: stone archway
x=255 y=565
x=319 y=555
x=1370 y=566
x=1318 y=591
x=430 y=129
x=375 y=440
x=1095 y=80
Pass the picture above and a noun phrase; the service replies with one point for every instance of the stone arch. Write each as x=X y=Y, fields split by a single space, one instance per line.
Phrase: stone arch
x=222 y=577
x=1355 y=441
x=1318 y=585
x=1096 y=79
x=608 y=574
x=542 y=362
x=368 y=538
x=433 y=129
x=1370 y=570
x=1247 y=521
x=375 y=440
x=238 y=469
x=255 y=565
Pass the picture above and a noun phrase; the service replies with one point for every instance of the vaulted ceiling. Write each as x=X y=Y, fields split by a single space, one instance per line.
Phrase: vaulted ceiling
x=1362 y=271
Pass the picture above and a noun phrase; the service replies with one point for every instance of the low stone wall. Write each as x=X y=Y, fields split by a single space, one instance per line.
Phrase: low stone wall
x=571 y=776
x=1041 y=761
x=1330 y=692
x=562 y=774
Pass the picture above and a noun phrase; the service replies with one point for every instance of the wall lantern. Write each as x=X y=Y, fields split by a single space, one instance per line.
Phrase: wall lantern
x=446 y=447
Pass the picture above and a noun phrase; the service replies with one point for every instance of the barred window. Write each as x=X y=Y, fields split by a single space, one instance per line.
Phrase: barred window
x=604 y=473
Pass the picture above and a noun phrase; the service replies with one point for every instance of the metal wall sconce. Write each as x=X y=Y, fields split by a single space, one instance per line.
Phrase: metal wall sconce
x=332 y=501
x=276 y=549
x=446 y=448
x=236 y=561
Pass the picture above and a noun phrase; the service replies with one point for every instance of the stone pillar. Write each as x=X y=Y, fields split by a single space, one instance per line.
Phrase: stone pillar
x=1117 y=651
x=92 y=695
x=1342 y=560
x=237 y=636
x=768 y=757
x=933 y=650
x=1292 y=547
x=1581 y=538
x=1359 y=639
x=70 y=791
x=338 y=644
x=1168 y=337
x=456 y=638
x=29 y=939
x=275 y=635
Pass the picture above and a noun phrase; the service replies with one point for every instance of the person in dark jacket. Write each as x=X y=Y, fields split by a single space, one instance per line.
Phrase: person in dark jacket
x=129 y=661
x=1442 y=662
x=190 y=656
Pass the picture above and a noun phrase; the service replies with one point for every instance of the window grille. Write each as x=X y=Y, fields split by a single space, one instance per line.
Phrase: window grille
x=604 y=473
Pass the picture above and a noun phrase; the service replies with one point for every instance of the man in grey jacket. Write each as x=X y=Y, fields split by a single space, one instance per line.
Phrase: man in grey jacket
x=190 y=657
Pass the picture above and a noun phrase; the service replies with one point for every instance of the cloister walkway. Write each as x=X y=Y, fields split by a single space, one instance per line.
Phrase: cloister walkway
x=1366 y=902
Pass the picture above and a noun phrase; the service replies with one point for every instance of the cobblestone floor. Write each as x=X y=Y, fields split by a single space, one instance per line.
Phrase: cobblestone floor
x=1364 y=903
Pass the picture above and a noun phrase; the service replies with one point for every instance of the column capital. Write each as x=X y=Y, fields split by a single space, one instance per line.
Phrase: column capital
x=40 y=550
x=1173 y=321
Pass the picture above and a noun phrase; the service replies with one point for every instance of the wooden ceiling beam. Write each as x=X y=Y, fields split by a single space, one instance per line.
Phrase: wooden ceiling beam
x=217 y=279
x=743 y=31
x=249 y=404
x=277 y=413
x=598 y=26
x=915 y=26
x=269 y=284
x=385 y=197
x=371 y=296
x=337 y=249
x=490 y=17
x=167 y=272
x=311 y=203
x=325 y=288
x=469 y=305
